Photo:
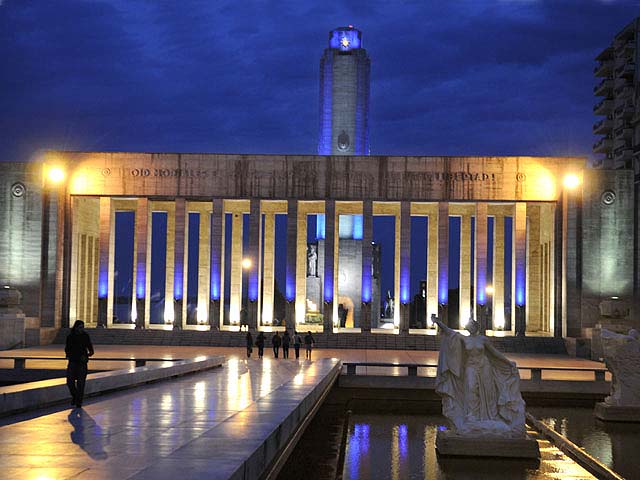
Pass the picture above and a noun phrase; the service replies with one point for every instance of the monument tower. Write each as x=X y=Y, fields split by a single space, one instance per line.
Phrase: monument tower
x=344 y=95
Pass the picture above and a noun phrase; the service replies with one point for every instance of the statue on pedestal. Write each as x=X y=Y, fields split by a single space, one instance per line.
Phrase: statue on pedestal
x=622 y=358
x=479 y=386
x=312 y=261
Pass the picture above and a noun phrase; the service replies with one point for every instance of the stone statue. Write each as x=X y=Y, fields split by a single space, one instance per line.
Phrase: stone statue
x=312 y=261
x=479 y=386
x=622 y=358
x=388 y=306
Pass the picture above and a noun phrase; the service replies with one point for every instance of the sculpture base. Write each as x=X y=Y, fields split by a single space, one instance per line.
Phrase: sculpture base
x=450 y=444
x=613 y=413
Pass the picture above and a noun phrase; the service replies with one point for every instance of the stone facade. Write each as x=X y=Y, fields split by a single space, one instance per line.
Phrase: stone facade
x=569 y=245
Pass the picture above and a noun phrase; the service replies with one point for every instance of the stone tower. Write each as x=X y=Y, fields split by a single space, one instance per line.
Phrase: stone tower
x=344 y=95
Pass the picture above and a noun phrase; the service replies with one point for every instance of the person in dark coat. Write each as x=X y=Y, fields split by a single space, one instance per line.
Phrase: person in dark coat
x=78 y=349
x=286 y=341
x=308 y=344
x=276 y=341
x=249 y=340
x=297 y=341
x=260 y=344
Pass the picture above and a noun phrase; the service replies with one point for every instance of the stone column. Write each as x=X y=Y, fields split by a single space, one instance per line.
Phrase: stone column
x=465 y=270
x=140 y=295
x=535 y=268
x=573 y=263
x=330 y=244
x=105 y=307
x=300 y=267
x=498 y=272
x=404 y=297
x=519 y=271
x=367 y=279
x=179 y=263
x=292 y=253
x=169 y=303
x=217 y=265
x=235 y=301
x=269 y=262
x=480 y=269
x=443 y=261
x=204 y=264
x=432 y=264
x=253 y=272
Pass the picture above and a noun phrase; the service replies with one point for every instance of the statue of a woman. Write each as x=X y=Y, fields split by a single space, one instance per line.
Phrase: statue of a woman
x=479 y=386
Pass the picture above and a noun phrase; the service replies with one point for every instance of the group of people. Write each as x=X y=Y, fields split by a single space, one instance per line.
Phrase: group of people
x=284 y=341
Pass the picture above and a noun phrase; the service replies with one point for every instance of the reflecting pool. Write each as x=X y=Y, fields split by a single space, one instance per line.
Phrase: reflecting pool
x=403 y=447
x=615 y=444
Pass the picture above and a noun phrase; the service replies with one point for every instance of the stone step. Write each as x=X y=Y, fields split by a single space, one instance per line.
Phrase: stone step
x=356 y=341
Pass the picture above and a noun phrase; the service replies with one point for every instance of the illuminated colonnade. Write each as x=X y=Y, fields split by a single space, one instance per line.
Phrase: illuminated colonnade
x=252 y=288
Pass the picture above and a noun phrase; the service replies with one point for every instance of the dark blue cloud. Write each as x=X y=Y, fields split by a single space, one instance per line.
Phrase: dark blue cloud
x=466 y=77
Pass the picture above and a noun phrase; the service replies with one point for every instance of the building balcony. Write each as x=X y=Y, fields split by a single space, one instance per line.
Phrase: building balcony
x=626 y=70
x=623 y=92
x=605 y=54
x=623 y=133
x=604 y=69
x=627 y=33
x=603 y=145
x=622 y=155
x=624 y=111
x=604 y=88
x=624 y=48
x=604 y=107
x=603 y=127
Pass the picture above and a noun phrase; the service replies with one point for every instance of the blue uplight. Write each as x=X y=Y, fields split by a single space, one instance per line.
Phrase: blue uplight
x=290 y=293
x=403 y=442
x=405 y=281
x=215 y=281
x=252 y=291
x=328 y=284
x=520 y=282
x=177 y=281
x=358 y=227
x=320 y=226
x=141 y=280
x=366 y=283
x=103 y=284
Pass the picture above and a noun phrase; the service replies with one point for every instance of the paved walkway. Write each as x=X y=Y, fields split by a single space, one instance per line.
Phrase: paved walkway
x=199 y=426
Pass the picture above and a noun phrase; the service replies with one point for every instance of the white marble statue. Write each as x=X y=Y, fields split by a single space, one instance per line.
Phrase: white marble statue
x=622 y=358
x=479 y=386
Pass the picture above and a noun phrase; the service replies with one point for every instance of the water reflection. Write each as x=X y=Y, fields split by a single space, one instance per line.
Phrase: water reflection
x=614 y=444
x=403 y=447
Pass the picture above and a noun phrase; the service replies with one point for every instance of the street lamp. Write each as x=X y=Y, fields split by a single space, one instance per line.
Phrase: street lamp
x=55 y=175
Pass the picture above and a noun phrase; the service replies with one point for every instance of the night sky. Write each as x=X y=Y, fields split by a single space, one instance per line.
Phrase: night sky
x=448 y=78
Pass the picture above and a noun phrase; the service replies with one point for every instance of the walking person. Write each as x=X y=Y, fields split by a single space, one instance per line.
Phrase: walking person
x=308 y=344
x=276 y=341
x=297 y=341
x=286 y=341
x=78 y=349
x=249 y=340
x=260 y=344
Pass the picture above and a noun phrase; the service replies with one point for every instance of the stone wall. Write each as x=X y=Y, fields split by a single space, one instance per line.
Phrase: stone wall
x=318 y=177
x=20 y=227
x=607 y=240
